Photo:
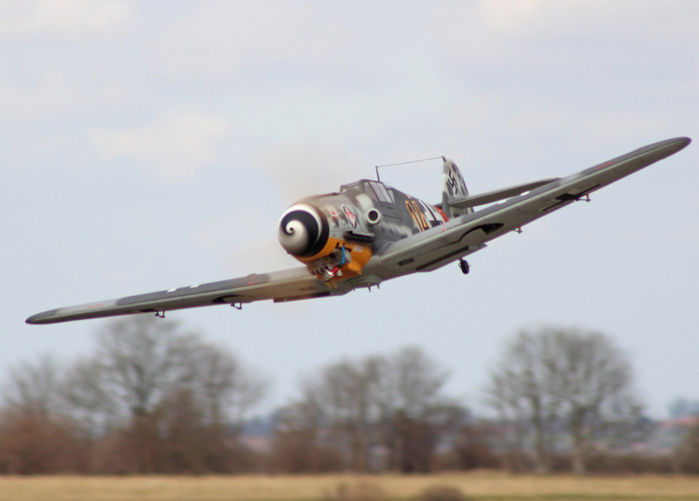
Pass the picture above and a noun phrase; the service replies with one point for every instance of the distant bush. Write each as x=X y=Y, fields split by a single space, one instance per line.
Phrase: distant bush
x=616 y=464
x=443 y=493
x=361 y=491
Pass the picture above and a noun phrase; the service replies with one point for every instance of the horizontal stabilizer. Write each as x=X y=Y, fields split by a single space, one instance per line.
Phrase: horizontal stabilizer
x=497 y=195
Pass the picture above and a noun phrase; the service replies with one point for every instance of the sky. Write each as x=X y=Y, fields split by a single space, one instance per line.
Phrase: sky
x=151 y=145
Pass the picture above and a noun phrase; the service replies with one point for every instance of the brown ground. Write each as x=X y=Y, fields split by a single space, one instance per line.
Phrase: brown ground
x=482 y=485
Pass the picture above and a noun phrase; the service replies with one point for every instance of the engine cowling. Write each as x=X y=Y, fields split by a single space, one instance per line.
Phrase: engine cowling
x=303 y=231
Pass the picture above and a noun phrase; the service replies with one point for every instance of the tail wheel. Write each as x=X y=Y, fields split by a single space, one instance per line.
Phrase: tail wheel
x=465 y=268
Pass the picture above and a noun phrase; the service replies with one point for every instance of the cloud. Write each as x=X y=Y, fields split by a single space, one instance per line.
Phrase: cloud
x=464 y=32
x=413 y=92
x=174 y=147
x=472 y=111
x=615 y=127
x=51 y=96
x=540 y=19
x=46 y=92
x=219 y=38
x=539 y=119
x=61 y=18
x=530 y=31
x=508 y=16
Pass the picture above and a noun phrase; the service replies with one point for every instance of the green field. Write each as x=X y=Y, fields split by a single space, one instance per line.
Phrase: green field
x=495 y=486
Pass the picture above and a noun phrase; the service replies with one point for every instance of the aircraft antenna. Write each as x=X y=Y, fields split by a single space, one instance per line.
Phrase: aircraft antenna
x=378 y=178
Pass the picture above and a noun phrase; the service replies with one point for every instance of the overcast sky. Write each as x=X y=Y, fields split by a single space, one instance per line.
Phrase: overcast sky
x=150 y=145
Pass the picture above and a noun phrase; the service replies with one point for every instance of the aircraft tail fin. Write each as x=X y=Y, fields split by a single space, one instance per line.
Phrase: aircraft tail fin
x=453 y=188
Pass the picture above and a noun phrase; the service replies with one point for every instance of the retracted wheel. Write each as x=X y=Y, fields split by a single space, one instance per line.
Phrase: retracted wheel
x=465 y=268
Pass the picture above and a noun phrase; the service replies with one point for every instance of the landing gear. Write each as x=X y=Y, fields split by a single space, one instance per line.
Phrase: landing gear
x=465 y=268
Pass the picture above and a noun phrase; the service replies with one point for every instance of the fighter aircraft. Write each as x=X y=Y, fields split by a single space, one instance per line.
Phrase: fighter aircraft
x=369 y=232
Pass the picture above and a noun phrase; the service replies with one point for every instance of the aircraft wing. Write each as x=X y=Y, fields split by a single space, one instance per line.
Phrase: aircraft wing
x=466 y=234
x=286 y=285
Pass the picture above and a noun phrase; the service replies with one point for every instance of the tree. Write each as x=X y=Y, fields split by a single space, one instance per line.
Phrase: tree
x=222 y=391
x=152 y=383
x=32 y=387
x=473 y=446
x=682 y=407
x=35 y=436
x=345 y=393
x=300 y=444
x=687 y=451
x=556 y=380
x=226 y=388
x=415 y=414
x=381 y=412
x=519 y=391
x=141 y=360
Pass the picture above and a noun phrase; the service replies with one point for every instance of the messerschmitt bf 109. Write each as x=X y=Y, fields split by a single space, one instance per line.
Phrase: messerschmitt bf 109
x=370 y=232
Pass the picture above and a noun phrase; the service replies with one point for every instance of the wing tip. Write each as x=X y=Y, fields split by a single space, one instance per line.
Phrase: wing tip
x=46 y=317
x=671 y=146
x=678 y=143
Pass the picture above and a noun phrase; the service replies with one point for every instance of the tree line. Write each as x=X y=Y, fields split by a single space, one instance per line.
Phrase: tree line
x=155 y=397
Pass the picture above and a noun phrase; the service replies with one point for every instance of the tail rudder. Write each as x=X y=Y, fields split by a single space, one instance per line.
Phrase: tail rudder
x=453 y=188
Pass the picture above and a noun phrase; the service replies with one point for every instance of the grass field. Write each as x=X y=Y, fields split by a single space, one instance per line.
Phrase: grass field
x=493 y=486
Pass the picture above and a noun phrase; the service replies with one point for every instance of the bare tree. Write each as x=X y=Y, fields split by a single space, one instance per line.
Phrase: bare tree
x=142 y=360
x=226 y=388
x=301 y=444
x=35 y=437
x=221 y=392
x=520 y=391
x=414 y=411
x=345 y=393
x=385 y=412
x=473 y=446
x=686 y=453
x=31 y=387
x=596 y=385
x=86 y=398
x=558 y=380
x=144 y=373
x=138 y=362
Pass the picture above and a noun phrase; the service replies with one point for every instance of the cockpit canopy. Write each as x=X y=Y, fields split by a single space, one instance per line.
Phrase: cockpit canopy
x=376 y=190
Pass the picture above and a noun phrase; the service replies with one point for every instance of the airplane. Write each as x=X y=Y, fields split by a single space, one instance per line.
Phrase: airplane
x=369 y=232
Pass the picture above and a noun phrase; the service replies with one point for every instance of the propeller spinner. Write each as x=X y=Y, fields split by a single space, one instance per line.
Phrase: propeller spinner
x=303 y=230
